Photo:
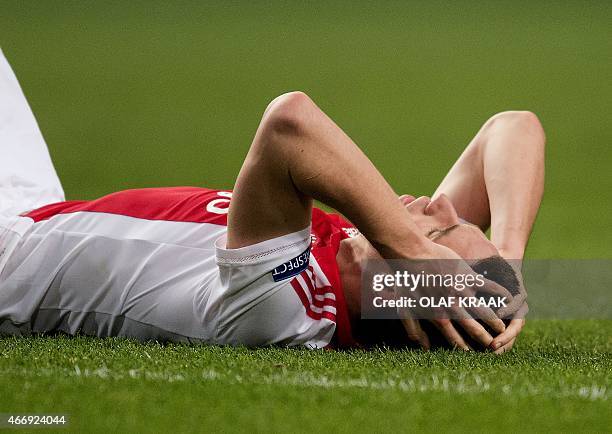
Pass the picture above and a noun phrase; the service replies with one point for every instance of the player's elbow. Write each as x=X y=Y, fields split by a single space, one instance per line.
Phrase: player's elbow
x=520 y=121
x=288 y=114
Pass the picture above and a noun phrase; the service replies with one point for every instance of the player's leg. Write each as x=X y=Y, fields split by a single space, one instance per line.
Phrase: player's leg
x=499 y=180
x=27 y=177
x=299 y=153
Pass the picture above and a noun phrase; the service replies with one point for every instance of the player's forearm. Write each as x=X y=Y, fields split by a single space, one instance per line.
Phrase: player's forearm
x=513 y=160
x=357 y=190
x=324 y=163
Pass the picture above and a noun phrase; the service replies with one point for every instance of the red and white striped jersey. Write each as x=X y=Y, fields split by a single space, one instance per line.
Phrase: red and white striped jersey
x=152 y=264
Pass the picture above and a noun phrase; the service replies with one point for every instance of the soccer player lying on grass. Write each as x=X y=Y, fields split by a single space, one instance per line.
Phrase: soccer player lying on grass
x=189 y=264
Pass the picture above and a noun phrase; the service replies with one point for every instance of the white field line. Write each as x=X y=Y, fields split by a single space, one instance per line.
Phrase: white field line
x=462 y=384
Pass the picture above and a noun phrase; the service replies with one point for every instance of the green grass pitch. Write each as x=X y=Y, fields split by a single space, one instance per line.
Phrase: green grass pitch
x=141 y=94
x=558 y=378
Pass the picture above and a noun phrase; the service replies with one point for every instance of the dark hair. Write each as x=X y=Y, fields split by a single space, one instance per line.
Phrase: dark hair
x=391 y=333
x=498 y=270
x=388 y=333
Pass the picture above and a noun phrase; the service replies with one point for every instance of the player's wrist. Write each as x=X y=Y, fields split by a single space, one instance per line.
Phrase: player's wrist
x=410 y=247
x=510 y=243
x=512 y=253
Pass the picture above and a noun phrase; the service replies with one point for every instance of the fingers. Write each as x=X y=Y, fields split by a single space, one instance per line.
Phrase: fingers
x=451 y=334
x=479 y=312
x=514 y=307
x=405 y=199
x=476 y=331
x=415 y=332
x=496 y=324
x=512 y=331
x=506 y=347
x=488 y=316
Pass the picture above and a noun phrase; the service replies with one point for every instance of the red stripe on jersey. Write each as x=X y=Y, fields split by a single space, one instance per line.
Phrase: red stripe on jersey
x=308 y=281
x=320 y=291
x=330 y=316
x=181 y=204
x=330 y=230
x=300 y=291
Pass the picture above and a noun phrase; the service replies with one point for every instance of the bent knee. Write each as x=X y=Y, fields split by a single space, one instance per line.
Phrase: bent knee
x=288 y=113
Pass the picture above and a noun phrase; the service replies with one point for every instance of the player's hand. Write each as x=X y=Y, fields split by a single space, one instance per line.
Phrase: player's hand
x=440 y=260
x=505 y=341
x=415 y=333
x=516 y=310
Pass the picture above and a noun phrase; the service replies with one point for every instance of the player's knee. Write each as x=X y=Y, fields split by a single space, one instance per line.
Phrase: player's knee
x=522 y=121
x=288 y=114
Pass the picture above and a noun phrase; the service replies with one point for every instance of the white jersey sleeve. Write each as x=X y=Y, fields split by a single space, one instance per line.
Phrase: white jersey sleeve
x=256 y=303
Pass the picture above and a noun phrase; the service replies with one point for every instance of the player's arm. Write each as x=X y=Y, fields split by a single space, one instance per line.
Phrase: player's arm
x=298 y=154
x=498 y=181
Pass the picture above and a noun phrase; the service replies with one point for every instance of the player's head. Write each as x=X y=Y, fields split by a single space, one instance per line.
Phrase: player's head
x=438 y=221
x=391 y=333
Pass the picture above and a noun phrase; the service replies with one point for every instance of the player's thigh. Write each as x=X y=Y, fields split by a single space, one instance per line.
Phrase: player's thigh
x=27 y=177
x=464 y=185
x=265 y=204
